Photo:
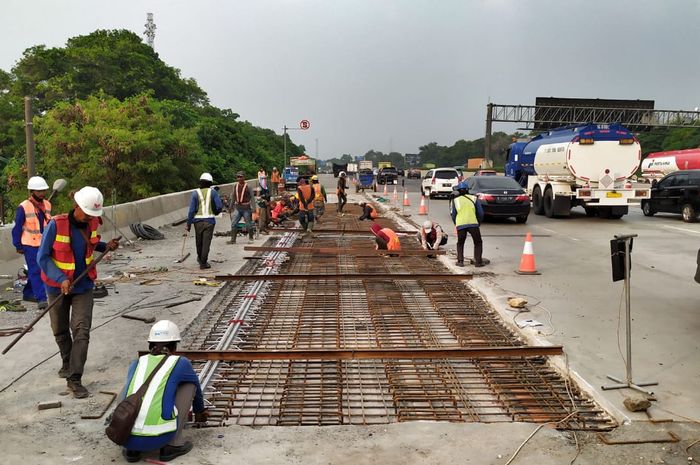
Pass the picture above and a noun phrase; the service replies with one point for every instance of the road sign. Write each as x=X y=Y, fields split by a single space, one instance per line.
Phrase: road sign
x=304 y=124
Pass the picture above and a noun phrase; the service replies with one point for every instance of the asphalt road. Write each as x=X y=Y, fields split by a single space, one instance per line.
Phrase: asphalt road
x=576 y=288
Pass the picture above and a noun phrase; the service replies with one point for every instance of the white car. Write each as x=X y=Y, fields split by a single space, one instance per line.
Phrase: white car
x=439 y=182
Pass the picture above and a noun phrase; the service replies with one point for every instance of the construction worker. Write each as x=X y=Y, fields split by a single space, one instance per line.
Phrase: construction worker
x=385 y=238
x=467 y=213
x=320 y=198
x=342 y=186
x=306 y=195
x=368 y=212
x=431 y=236
x=241 y=201
x=66 y=250
x=262 y=211
x=32 y=216
x=274 y=181
x=205 y=204
x=171 y=393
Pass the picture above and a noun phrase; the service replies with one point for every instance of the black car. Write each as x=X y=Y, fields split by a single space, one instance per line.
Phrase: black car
x=388 y=176
x=413 y=174
x=677 y=192
x=501 y=196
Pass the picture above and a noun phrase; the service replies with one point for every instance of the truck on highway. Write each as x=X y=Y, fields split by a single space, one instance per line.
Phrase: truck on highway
x=658 y=164
x=384 y=164
x=338 y=167
x=301 y=166
x=586 y=165
x=352 y=168
x=365 y=165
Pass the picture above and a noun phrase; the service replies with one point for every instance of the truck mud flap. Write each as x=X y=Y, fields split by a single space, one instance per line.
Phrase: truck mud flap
x=562 y=206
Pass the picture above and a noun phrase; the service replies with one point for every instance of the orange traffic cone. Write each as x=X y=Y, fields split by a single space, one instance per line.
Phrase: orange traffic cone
x=386 y=192
x=395 y=197
x=422 y=210
x=406 y=203
x=527 y=261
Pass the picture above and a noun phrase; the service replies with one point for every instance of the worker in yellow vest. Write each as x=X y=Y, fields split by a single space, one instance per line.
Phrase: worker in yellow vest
x=171 y=393
x=467 y=213
x=205 y=204
x=32 y=216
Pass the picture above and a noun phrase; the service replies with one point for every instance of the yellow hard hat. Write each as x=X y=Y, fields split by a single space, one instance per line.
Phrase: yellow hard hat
x=314 y=178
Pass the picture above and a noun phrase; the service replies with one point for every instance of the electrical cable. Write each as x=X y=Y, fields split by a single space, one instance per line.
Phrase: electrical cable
x=517 y=451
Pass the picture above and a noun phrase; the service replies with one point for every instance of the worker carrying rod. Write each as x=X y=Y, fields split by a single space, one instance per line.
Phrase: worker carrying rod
x=66 y=250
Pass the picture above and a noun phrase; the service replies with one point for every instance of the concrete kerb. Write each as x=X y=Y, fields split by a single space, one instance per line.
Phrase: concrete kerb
x=497 y=299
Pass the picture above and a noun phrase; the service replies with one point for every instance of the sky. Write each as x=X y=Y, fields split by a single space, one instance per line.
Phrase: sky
x=393 y=74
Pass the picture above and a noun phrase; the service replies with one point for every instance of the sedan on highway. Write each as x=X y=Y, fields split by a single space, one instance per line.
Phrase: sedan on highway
x=501 y=197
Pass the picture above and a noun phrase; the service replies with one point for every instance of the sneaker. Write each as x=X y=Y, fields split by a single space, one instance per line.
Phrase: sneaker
x=131 y=456
x=204 y=266
x=460 y=263
x=64 y=371
x=42 y=305
x=483 y=262
x=169 y=452
x=77 y=388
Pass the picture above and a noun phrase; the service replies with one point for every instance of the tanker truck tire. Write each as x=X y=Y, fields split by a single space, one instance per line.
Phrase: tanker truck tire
x=548 y=203
x=537 y=207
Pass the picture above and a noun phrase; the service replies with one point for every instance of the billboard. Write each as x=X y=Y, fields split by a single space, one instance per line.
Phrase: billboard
x=553 y=112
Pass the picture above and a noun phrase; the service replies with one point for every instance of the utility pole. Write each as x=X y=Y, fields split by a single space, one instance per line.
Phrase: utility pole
x=316 y=148
x=150 y=31
x=487 y=139
x=29 y=136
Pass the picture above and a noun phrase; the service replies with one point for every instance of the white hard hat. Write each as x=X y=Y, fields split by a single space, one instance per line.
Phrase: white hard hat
x=37 y=183
x=164 y=331
x=90 y=200
x=427 y=224
x=342 y=173
x=206 y=177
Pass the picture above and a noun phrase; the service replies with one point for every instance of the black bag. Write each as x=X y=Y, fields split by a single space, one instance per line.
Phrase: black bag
x=124 y=415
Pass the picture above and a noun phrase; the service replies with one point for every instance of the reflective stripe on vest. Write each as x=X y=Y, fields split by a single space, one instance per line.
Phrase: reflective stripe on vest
x=204 y=210
x=31 y=229
x=62 y=252
x=466 y=210
x=394 y=243
x=319 y=194
x=150 y=421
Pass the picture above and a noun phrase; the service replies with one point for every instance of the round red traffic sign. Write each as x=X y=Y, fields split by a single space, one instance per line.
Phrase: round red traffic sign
x=305 y=124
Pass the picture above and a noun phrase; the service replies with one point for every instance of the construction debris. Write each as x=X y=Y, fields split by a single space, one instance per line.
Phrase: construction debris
x=636 y=403
x=517 y=302
x=112 y=396
x=672 y=438
x=13 y=330
x=48 y=405
x=146 y=320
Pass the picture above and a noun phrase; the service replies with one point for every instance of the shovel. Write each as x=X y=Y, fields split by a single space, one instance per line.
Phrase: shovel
x=58 y=186
x=183 y=257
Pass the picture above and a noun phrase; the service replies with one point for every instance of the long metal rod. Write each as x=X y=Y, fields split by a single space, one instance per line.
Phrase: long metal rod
x=372 y=354
x=344 y=276
x=343 y=251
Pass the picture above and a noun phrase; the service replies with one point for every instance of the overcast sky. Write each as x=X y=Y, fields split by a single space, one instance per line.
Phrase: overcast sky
x=392 y=74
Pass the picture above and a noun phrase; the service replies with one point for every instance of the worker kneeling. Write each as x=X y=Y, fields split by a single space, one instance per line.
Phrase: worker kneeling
x=172 y=391
x=385 y=238
x=431 y=236
x=368 y=212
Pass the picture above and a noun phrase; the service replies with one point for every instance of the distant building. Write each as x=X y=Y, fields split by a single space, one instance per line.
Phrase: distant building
x=412 y=159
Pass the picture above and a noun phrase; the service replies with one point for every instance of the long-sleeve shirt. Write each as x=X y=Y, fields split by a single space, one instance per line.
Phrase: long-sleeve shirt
x=194 y=206
x=79 y=247
x=19 y=223
x=479 y=214
x=182 y=373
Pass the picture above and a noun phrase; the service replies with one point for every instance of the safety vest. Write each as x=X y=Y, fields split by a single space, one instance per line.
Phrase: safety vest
x=394 y=243
x=372 y=212
x=241 y=194
x=319 y=194
x=204 y=210
x=150 y=421
x=31 y=229
x=62 y=252
x=306 y=195
x=465 y=205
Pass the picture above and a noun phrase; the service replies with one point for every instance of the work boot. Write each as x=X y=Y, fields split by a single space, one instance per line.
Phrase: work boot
x=64 y=371
x=234 y=233
x=204 y=266
x=131 y=456
x=169 y=452
x=76 y=387
x=483 y=262
x=310 y=229
x=460 y=263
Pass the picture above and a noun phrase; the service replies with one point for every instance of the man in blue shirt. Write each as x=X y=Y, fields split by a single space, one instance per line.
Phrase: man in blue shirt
x=205 y=204
x=66 y=250
x=171 y=393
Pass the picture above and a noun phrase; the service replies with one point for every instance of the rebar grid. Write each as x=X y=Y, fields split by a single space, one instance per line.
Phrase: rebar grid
x=364 y=314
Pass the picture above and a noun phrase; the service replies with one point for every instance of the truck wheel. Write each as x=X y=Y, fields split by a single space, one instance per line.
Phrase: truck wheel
x=646 y=208
x=689 y=213
x=548 y=203
x=537 y=206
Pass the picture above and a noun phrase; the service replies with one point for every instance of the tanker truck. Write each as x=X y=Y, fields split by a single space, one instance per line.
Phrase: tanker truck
x=586 y=165
x=659 y=164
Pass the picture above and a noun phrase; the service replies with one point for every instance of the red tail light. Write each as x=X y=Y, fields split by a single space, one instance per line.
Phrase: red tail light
x=522 y=198
x=486 y=197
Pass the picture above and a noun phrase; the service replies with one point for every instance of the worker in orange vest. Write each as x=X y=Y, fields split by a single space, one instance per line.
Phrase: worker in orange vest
x=368 y=212
x=66 y=251
x=275 y=179
x=32 y=216
x=306 y=194
x=385 y=238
